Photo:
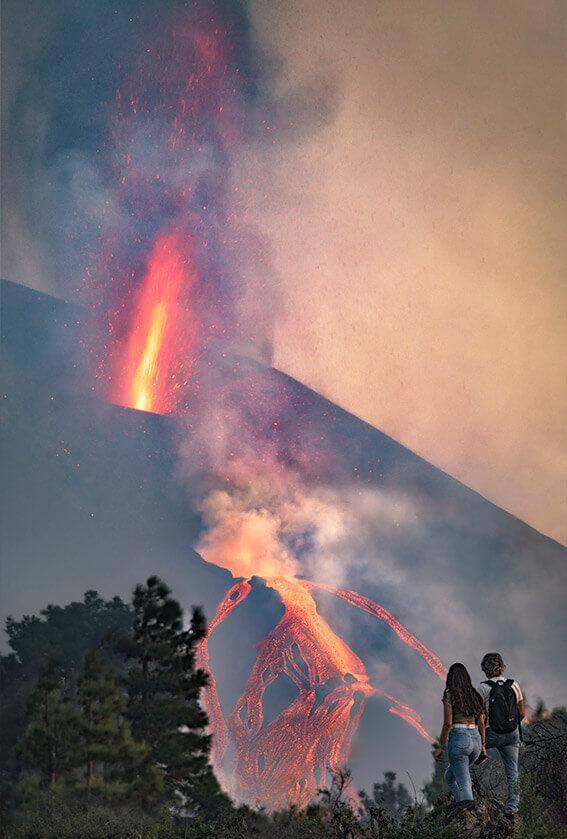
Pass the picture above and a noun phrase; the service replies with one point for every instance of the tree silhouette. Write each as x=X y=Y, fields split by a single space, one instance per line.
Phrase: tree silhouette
x=62 y=633
x=105 y=736
x=49 y=745
x=387 y=795
x=164 y=689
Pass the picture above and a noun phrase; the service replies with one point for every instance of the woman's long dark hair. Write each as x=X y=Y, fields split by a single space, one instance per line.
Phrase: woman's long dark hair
x=465 y=700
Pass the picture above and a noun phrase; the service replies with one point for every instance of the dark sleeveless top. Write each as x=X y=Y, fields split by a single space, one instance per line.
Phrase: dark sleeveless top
x=457 y=715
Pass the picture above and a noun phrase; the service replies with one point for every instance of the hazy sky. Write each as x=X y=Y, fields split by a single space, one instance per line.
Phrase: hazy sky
x=420 y=234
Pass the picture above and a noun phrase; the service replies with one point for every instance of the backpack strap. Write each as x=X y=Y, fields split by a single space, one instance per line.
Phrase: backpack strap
x=520 y=732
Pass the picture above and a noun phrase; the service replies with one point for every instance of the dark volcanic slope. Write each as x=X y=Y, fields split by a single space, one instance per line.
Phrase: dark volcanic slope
x=91 y=499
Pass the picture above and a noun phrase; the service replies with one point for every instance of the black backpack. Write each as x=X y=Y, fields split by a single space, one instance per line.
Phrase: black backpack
x=503 y=714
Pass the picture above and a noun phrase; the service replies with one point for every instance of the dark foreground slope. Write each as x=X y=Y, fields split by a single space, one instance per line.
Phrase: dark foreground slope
x=92 y=498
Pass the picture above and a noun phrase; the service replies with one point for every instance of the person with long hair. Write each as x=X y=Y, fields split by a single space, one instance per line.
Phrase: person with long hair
x=463 y=731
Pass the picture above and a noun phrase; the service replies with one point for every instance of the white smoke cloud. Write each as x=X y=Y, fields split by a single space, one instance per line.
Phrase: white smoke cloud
x=265 y=518
x=270 y=523
x=244 y=535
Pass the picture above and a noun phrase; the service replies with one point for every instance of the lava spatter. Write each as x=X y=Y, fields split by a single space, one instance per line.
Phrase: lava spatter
x=175 y=128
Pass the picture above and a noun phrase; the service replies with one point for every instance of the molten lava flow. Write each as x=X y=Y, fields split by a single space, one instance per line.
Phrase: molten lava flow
x=406 y=713
x=367 y=605
x=151 y=371
x=232 y=598
x=286 y=759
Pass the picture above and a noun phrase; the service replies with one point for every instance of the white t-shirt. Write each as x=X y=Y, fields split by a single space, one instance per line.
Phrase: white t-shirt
x=484 y=691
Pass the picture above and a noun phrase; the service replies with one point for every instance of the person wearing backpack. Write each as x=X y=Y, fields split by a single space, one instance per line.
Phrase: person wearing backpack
x=505 y=711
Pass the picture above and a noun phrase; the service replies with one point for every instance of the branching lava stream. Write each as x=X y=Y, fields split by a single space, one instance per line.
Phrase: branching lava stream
x=286 y=759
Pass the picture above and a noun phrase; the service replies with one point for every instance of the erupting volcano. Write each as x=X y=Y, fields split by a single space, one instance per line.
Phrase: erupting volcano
x=185 y=409
x=174 y=130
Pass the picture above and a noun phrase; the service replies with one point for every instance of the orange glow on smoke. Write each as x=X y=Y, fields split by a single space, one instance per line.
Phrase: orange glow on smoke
x=285 y=760
x=152 y=372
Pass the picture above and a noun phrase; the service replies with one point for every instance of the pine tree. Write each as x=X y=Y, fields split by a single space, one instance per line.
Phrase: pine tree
x=106 y=739
x=394 y=798
x=49 y=745
x=164 y=689
x=61 y=633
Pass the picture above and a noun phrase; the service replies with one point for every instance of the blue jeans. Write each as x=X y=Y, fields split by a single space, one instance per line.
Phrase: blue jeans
x=508 y=746
x=463 y=748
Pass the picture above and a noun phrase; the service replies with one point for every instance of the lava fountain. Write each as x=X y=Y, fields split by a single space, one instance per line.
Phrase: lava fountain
x=173 y=127
x=151 y=372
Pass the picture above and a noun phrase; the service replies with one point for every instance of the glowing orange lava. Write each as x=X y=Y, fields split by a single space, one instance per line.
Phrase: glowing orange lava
x=367 y=605
x=151 y=370
x=287 y=759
